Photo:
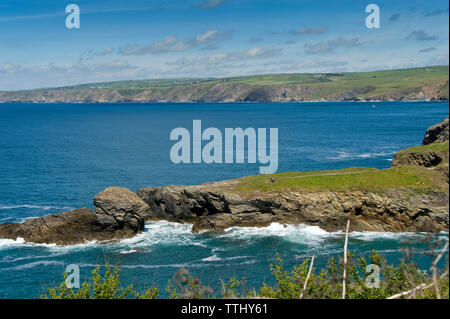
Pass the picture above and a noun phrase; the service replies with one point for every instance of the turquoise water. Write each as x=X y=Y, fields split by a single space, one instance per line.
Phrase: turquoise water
x=54 y=157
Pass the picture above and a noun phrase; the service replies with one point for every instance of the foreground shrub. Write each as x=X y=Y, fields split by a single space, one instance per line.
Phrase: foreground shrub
x=100 y=286
x=325 y=283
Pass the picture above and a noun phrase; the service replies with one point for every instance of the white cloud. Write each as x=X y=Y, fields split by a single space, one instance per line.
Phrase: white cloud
x=331 y=45
x=172 y=44
x=309 y=30
x=15 y=77
x=211 y=4
x=253 y=53
x=425 y=50
x=319 y=65
x=420 y=35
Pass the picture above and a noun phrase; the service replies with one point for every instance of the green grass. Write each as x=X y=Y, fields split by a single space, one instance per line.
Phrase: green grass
x=434 y=147
x=380 y=81
x=364 y=179
x=384 y=84
x=135 y=84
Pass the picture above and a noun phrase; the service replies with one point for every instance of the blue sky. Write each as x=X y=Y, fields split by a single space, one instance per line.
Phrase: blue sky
x=212 y=38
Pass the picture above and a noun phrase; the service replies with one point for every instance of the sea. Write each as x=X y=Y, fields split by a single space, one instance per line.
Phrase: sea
x=57 y=157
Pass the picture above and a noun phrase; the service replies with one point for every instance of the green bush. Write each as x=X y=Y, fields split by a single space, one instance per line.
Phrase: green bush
x=325 y=283
x=100 y=286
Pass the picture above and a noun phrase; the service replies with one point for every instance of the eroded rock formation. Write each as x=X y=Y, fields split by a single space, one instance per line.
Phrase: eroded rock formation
x=436 y=133
x=119 y=213
x=213 y=207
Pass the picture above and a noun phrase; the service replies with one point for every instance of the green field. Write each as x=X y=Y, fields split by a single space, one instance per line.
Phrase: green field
x=350 y=179
x=414 y=177
x=382 y=81
x=434 y=147
x=425 y=83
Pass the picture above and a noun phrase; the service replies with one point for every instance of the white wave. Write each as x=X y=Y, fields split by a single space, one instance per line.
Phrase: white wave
x=126 y=252
x=371 y=236
x=35 y=264
x=161 y=232
x=20 y=242
x=214 y=257
x=9 y=259
x=186 y=265
x=304 y=234
x=6 y=207
x=169 y=233
x=345 y=155
x=5 y=243
x=341 y=155
x=314 y=235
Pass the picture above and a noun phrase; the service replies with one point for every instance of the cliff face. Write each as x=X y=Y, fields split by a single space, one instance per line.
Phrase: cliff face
x=410 y=197
x=226 y=92
x=437 y=133
x=428 y=83
x=433 y=153
x=213 y=207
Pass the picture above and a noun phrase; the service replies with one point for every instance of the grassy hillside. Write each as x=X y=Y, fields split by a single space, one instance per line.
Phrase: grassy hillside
x=416 y=178
x=426 y=83
x=409 y=174
x=402 y=78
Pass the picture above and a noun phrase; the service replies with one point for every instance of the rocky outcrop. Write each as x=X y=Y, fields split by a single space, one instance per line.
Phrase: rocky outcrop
x=122 y=209
x=72 y=227
x=429 y=154
x=119 y=213
x=437 y=133
x=212 y=207
x=427 y=159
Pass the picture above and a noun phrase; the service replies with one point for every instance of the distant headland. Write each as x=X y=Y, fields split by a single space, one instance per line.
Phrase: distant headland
x=424 y=83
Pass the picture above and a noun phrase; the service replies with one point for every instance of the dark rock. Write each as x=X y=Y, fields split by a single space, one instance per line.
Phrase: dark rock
x=215 y=206
x=118 y=214
x=175 y=203
x=427 y=159
x=437 y=133
x=72 y=227
x=122 y=207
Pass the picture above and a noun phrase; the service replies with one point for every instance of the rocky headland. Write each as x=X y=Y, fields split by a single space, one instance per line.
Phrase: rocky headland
x=412 y=196
x=425 y=83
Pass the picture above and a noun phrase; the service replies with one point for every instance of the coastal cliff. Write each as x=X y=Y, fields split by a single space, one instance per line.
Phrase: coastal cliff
x=426 y=83
x=412 y=196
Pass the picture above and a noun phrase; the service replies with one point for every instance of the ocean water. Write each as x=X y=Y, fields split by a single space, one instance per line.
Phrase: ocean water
x=55 y=157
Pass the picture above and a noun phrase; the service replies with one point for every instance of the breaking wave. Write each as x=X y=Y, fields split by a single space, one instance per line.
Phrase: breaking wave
x=170 y=233
x=6 y=207
x=341 y=155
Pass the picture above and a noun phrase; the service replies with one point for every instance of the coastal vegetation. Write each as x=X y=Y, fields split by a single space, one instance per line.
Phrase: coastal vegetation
x=416 y=178
x=404 y=280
